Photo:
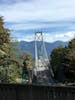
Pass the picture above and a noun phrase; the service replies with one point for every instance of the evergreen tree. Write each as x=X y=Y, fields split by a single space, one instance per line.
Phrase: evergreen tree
x=69 y=61
x=10 y=68
x=27 y=66
x=57 y=58
x=4 y=33
x=63 y=62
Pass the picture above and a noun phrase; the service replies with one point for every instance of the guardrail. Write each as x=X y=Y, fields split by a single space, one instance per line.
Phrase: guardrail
x=36 y=92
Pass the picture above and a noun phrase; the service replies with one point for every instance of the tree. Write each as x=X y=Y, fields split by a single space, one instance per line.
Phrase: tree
x=27 y=58
x=27 y=66
x=71 y=44
x=4 y=33
x=10 y=68
x=25 y=72
x=57 y=57
x=69 y=61
x=63 y=62
x=4 y=40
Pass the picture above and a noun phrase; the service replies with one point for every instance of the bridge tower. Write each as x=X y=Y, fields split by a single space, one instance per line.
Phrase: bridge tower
x=41 y=69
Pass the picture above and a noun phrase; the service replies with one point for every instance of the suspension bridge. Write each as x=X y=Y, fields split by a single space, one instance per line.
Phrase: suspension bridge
x=42 y=70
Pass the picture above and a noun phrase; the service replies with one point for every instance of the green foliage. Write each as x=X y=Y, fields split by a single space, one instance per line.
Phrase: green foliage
x=13 y=73
x=63 y=60
x=3 y=74
x=10 y=70
x=69 y=61
x=57 y=58
x=27 y=59
x=71 y=44
x=10 y=64
x=27 y=66
x=4 y=33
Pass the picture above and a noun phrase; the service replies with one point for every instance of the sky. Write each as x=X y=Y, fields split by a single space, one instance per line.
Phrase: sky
x=54 y=18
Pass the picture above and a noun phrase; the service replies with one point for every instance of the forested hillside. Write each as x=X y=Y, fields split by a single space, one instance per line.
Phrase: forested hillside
x=63 y=62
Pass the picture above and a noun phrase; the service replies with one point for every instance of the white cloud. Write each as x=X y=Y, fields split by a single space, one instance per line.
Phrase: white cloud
x=22 y=37
x=47 y=37
x=39 y=10
x=61 y=37
x=46 y=26
x=28 y=26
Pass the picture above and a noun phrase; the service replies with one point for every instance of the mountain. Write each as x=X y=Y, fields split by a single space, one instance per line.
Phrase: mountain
x=29 y=46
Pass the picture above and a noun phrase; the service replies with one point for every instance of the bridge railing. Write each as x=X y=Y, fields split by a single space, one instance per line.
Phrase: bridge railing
x=34 y=92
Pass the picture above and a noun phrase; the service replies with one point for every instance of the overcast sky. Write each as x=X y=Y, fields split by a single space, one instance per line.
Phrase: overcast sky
x=55 y=18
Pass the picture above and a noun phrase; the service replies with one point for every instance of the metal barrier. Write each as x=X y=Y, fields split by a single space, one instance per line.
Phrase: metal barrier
x=36 y=92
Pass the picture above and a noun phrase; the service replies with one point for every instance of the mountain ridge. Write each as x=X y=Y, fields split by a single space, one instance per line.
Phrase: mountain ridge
x=29 y=46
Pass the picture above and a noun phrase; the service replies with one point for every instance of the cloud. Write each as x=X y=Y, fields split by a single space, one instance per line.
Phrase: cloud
x=47 y=15
x=5 y=2
x=61 y=37
x=48 y=10
x=51 y=26
x=47 y=37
